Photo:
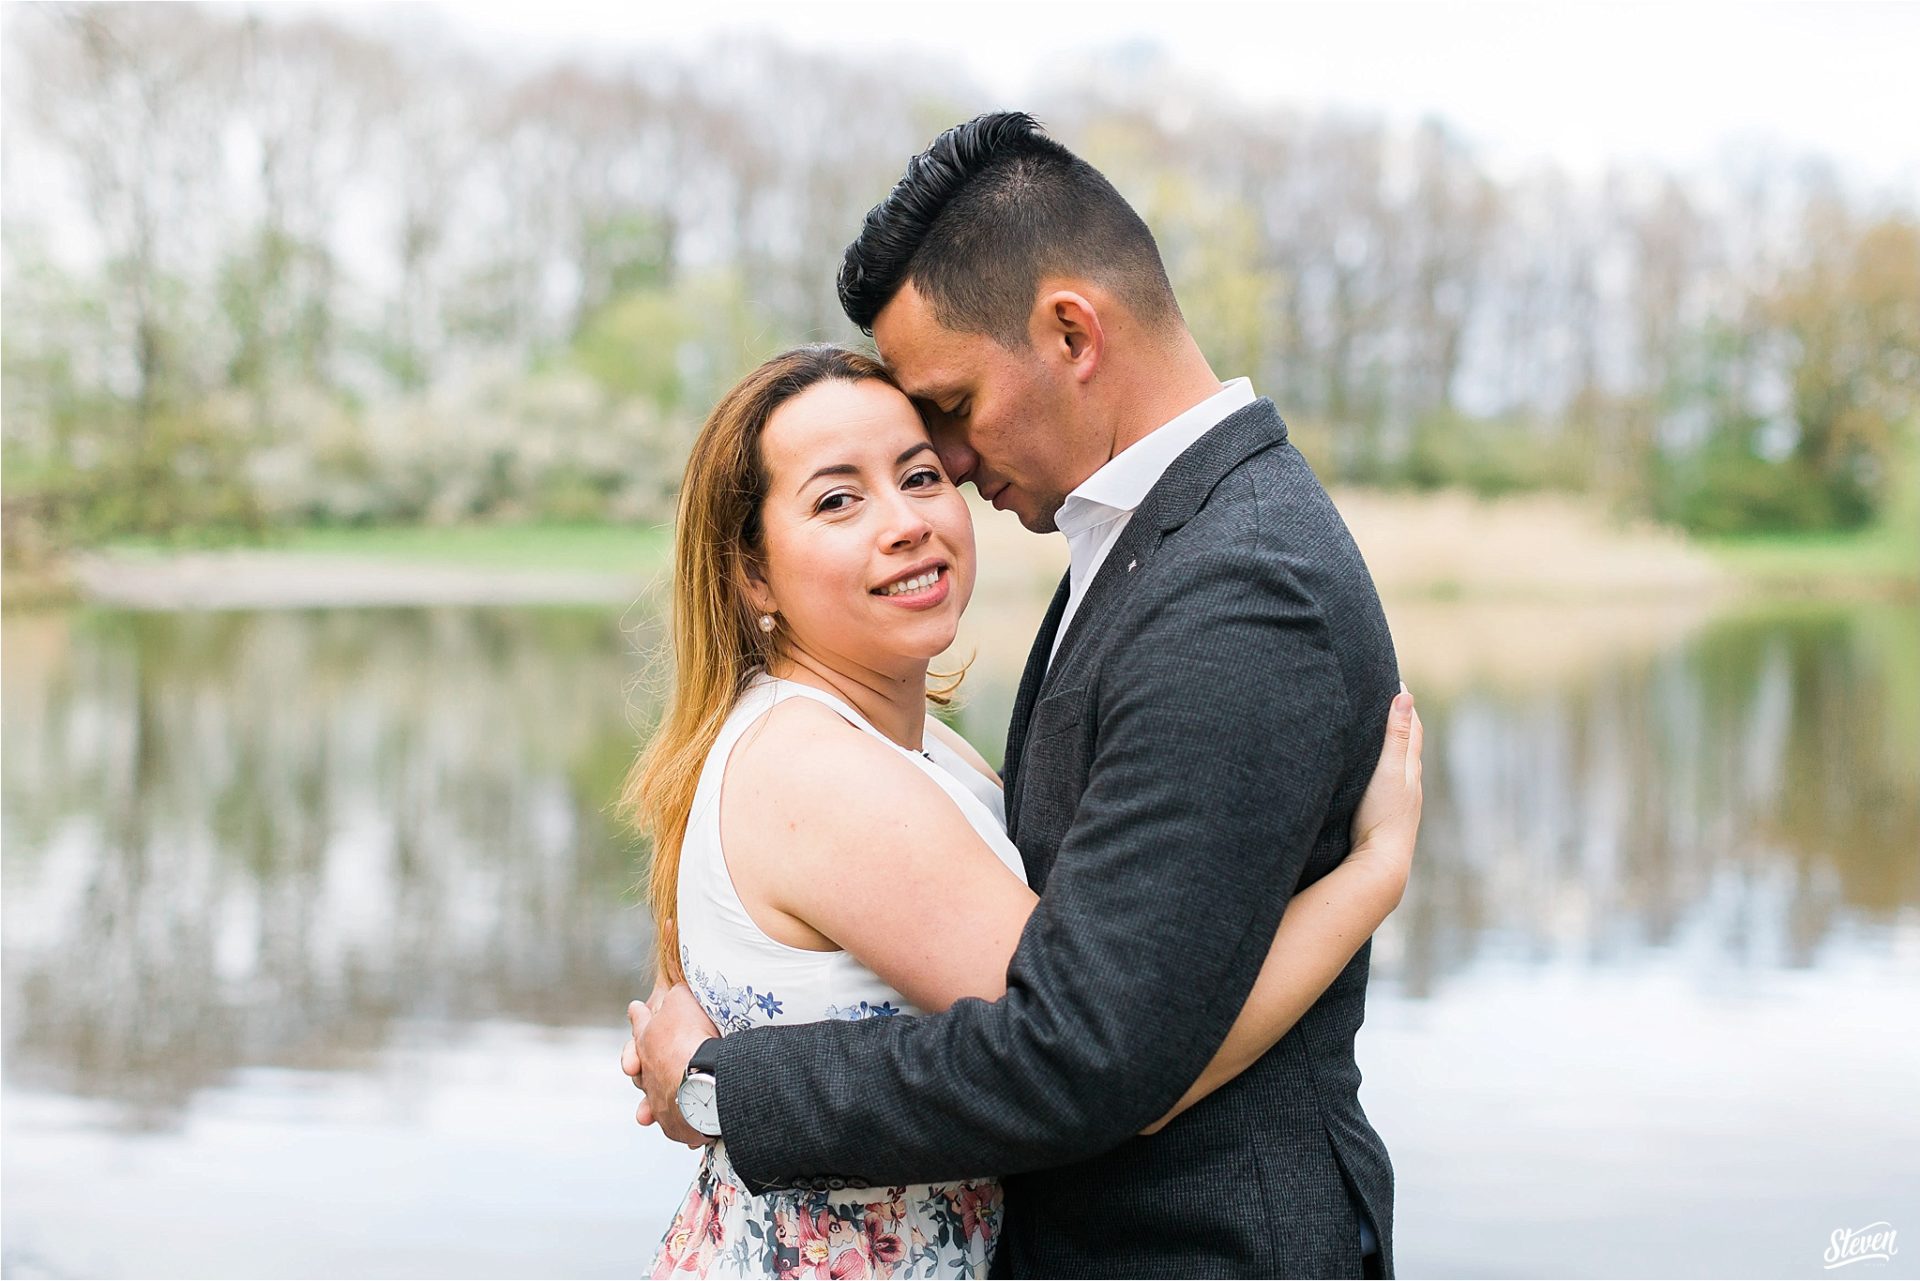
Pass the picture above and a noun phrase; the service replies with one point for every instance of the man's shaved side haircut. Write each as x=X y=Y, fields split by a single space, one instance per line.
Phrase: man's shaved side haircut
x=987 y=212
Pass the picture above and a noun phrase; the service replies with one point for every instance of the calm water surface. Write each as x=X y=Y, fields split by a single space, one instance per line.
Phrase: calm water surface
x=318 y=933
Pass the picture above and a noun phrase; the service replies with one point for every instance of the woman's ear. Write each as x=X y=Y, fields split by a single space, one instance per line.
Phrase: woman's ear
x=753 y=582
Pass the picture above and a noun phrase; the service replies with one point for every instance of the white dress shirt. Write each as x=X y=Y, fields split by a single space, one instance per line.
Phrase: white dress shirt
x=1098 y=509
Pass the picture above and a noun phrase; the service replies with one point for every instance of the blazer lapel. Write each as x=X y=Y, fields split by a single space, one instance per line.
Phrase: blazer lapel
x=1023 y=702
x=1172 y=501
x=1136 y=545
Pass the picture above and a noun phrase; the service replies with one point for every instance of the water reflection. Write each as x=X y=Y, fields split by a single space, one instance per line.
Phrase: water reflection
x=240 y=839
x=1758 y=785
x=247 y=840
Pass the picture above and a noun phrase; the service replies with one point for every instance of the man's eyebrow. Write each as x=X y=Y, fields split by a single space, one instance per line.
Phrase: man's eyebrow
x=933 y=394
x=848 y=469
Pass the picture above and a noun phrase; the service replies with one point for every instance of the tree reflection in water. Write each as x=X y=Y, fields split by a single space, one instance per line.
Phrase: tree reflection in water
x=1756 y=788
x=260 y=839
x=246 y=839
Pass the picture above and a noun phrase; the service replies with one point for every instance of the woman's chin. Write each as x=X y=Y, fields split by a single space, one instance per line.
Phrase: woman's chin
x=932 y=651
x=926 y=644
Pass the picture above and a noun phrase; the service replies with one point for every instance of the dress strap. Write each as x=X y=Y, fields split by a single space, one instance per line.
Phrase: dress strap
x=838 y=704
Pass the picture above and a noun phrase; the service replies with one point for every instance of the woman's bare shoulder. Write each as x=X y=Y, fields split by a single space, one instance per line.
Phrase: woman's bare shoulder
x=804 y=758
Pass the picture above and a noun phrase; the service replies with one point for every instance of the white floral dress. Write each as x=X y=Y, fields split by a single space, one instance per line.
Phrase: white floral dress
x=745 y=979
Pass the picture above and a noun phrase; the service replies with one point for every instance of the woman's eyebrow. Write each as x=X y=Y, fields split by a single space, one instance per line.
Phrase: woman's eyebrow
x=848 y=469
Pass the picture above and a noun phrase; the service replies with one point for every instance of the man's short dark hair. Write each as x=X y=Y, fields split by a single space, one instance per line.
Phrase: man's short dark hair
x=985 y=213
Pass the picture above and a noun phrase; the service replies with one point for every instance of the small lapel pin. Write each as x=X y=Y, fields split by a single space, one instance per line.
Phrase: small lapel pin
x=1131 y=564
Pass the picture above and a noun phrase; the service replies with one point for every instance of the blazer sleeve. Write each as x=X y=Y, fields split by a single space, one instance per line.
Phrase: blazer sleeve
x=1220 y=741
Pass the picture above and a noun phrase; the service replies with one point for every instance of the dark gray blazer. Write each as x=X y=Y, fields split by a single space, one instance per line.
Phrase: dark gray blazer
x=1191 y=760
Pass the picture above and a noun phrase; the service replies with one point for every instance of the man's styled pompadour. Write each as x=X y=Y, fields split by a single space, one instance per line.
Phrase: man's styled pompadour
x=985 y=213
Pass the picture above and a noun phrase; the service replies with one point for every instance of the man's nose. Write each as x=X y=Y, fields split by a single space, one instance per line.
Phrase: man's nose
x=959 y=460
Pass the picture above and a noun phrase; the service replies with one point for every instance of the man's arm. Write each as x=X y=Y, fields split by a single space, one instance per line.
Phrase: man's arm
x=1219 y=748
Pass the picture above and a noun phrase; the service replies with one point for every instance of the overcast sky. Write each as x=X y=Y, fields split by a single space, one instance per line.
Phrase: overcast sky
x=1580 y=83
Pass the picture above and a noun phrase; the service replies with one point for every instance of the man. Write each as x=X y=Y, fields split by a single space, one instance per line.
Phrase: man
x=1198 y=719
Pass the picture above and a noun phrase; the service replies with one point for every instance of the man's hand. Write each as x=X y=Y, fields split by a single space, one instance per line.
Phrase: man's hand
x=667 y=1029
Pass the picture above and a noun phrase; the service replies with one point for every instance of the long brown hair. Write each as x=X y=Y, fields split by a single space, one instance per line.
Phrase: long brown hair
x=715 y=638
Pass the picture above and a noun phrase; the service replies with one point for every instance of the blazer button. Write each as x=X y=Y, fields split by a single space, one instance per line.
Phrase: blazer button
x=836 y=1183
x=818 y=1185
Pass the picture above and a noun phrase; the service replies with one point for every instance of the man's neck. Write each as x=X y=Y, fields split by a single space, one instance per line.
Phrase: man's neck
x=1164 y=387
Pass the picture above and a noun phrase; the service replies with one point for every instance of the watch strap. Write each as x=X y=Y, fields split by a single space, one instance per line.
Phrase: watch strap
x=706 y=1058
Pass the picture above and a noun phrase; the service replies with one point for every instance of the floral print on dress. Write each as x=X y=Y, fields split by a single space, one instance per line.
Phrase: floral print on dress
x=944 y=1230
x=864 y=1010
x=732 y=1009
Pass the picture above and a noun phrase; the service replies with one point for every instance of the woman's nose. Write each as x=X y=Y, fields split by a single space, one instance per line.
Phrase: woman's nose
x=906 y=526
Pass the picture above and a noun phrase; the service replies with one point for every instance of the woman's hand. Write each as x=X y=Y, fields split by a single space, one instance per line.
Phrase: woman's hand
x=1388 y=820
x=1330 y=920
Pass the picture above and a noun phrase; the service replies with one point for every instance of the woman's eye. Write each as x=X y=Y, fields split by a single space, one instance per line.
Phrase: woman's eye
x=831 y=502
x=925 y=475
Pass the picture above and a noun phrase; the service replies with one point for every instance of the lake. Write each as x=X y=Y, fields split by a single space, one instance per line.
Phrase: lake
x=319 y=930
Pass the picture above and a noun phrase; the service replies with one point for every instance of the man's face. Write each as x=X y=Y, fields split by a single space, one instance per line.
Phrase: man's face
x=1000 y=419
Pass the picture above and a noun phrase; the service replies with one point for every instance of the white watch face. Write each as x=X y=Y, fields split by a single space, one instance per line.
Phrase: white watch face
x=699 y=1103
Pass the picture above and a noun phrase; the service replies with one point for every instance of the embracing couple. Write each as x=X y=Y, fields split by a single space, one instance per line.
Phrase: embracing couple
x=1098 y=1023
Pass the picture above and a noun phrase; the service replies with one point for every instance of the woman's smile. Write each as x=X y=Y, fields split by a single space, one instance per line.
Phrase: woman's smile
x=917 y=588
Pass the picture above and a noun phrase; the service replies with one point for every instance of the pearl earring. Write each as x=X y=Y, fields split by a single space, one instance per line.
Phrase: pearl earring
x=766 y=622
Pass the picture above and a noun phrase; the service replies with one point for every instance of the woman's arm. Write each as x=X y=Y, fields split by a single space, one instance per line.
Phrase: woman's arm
x=834 y=839
x=889 y=869
x=1326 y=922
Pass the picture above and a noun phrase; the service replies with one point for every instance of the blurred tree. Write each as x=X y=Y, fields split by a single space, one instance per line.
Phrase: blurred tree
x=128 y=96
x=129 y=105
x=678 y=346
x=279 y=283
x=263 y=268
x=1449 y=224
x=1850 y=315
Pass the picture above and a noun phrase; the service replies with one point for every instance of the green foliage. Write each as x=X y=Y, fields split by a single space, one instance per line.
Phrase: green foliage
x=1851 y=316
x=632 y=252
x=1490 y=456
x=1728 y=488
x=676 y=346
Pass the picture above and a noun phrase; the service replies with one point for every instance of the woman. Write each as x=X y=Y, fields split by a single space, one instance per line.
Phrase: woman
x=827 y=849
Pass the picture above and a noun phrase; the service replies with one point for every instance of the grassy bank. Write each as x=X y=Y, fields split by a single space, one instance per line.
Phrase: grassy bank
x=1442 y=546
x=1881 y=559
x=610 y=549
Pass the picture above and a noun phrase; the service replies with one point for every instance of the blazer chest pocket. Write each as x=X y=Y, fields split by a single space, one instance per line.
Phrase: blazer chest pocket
x=1053 y=774
x=1056 y=714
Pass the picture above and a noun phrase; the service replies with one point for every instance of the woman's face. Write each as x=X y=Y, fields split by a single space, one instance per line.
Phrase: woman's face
x=869 y=547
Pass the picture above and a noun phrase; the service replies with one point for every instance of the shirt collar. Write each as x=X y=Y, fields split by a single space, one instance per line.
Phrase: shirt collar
x=1122 y=482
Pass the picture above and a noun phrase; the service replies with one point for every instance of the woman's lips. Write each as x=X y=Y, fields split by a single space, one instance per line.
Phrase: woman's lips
x=925 y=597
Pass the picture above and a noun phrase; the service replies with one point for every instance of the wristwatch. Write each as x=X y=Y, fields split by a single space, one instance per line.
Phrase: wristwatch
x=699 y=1096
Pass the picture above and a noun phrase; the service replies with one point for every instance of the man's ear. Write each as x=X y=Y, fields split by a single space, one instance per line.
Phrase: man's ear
x=1066 y=327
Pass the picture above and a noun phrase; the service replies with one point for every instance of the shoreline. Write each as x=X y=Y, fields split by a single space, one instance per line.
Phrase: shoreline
x=1422 y=548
